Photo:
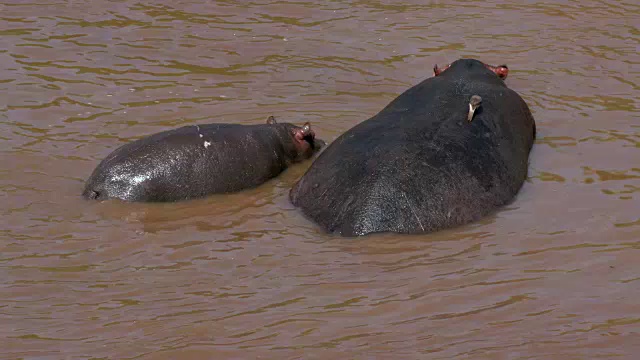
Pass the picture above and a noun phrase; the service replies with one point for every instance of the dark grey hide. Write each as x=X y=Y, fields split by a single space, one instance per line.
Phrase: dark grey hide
x=195 y=161
x=419 y=165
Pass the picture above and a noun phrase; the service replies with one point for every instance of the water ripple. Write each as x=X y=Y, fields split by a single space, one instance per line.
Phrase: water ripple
x=246 y=275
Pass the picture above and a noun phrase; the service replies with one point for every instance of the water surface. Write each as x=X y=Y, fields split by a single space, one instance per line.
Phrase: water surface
x=553 y=275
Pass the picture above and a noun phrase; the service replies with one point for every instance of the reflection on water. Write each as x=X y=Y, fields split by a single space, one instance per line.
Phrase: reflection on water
x=551 y=276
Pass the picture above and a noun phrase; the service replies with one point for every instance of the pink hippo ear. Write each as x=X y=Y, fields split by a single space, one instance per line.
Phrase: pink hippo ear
x=437 y=71
x=306 y=128
x=271 y=120
x=304 y=131
x=502 y=71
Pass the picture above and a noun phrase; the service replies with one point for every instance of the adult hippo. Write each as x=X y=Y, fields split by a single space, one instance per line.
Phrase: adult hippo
x=195 y=161
x=445 y=152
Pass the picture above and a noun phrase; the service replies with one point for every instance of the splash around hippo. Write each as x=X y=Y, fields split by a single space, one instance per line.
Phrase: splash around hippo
x=199 y=160
x=448 y=151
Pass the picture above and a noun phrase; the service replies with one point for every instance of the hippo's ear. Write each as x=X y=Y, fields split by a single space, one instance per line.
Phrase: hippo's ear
x=303 y=132
x=437 y=71
x=306 y=128
x=502 y=71
x=271 y=120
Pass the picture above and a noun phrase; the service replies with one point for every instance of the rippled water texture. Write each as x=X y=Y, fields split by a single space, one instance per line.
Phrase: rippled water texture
x=554 y=275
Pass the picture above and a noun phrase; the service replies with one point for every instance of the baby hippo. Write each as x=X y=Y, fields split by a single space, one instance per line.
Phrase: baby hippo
x=199 y=160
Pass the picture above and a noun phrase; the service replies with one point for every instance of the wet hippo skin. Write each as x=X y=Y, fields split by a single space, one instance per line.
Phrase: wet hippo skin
x=448 y=151
x=198 y=160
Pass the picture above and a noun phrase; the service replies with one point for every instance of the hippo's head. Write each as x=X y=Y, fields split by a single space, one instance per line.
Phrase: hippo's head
x=501 y=70
x=304 y=139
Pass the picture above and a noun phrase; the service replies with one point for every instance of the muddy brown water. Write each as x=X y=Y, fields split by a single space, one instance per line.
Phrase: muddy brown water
x=554 y=275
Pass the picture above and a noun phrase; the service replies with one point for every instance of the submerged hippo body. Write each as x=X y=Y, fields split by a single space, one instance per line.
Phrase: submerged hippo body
x=195 y=161
x=445 y=152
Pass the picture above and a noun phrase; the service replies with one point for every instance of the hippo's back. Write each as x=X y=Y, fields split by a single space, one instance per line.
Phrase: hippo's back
x=183 y=163
x=418 y=165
